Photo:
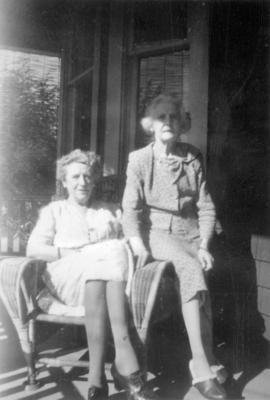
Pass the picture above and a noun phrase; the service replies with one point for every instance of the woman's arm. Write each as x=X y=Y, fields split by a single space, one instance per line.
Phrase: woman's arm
x=133 y=200
x=40 y=243
x=206 y=216
x=133 y=203
x=205 y=205
x=42 y=251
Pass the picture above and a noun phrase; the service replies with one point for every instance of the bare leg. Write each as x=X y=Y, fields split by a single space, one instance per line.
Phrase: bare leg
x=125 y=358
x=96 y=315
x=207 y=330
x=191 y=314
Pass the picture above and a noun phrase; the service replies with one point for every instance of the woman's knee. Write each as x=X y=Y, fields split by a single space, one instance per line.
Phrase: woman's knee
x=95 y=289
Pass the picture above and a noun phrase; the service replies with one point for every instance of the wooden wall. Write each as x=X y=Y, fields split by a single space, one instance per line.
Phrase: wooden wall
x=260 y=246
x=238 y=138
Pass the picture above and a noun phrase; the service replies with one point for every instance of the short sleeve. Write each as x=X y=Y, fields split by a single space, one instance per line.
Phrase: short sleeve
x=44 y=231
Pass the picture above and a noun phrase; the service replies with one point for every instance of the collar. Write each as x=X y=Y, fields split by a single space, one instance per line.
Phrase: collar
x=184 y=151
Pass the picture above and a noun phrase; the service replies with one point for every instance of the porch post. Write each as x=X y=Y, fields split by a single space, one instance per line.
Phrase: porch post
x=96 y=81
x=114 y=89
x=198 y=79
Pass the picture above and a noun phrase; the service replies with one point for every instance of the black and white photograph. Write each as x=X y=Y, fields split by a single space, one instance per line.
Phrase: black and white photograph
x=134 y=200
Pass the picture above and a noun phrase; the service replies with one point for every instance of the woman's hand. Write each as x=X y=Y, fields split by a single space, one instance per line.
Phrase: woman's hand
x=140 y=252
x=206 y=259
x=143 y=258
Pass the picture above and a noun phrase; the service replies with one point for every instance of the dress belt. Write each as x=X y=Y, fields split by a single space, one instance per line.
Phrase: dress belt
x=172 y=222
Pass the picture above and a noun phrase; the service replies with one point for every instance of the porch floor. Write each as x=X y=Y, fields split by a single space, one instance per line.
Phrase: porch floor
x=71 y=384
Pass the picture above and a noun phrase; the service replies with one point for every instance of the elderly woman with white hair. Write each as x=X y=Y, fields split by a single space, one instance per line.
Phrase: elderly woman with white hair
x=87 y=265
x=169 y=214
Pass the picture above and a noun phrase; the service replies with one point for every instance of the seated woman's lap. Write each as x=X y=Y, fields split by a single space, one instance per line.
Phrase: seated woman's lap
x=106 y=261
x=183 y=254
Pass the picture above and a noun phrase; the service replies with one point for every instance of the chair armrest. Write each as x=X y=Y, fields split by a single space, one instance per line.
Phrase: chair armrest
x=19 y=285
x=148 y=288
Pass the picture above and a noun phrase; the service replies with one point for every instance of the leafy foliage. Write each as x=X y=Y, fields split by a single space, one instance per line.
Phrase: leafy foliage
x=28 y=133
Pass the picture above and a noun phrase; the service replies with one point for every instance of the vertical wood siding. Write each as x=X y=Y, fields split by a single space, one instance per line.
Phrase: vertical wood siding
x=260 y=246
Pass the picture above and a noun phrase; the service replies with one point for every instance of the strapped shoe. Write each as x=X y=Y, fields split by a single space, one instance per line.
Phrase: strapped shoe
x=208 y=386
x=97 y=393
x=133 y=384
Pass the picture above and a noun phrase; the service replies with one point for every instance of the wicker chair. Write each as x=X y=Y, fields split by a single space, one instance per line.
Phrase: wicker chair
x=21 y=284
x=20 y=279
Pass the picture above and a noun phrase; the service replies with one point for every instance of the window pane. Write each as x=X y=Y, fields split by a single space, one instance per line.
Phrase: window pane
x=82 y=42
x=164 y=73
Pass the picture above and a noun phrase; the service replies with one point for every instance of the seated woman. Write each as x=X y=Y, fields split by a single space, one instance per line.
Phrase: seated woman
x=88 y=265
x=168 y=212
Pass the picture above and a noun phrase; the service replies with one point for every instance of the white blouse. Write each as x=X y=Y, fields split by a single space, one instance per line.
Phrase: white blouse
x=63 y=224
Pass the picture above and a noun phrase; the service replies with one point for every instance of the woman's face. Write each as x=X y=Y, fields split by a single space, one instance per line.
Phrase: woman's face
x=165 y=122
x=78 y=183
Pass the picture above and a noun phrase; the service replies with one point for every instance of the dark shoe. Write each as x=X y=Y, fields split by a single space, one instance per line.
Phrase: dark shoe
x=97 y=393
x=133 y=384
x=208 y=386
x=211 y=389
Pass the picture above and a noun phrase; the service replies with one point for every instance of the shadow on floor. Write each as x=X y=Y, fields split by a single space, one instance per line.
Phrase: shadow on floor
x=239 y=344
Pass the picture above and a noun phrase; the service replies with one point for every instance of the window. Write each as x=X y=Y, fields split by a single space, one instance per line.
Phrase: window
x=162 y=73
x=159 y=59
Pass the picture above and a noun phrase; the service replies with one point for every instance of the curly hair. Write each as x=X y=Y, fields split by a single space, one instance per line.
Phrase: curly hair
x=89 y=158
x=183 y=117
